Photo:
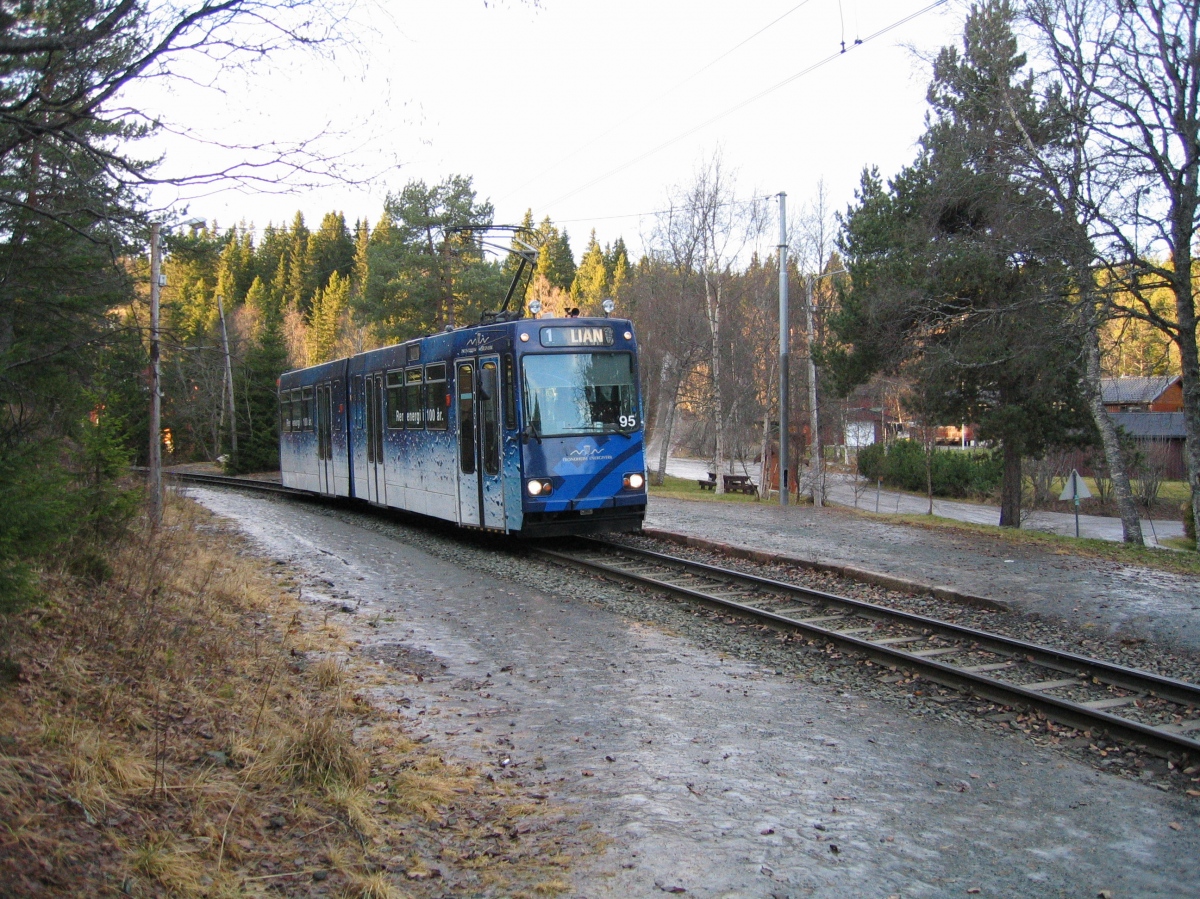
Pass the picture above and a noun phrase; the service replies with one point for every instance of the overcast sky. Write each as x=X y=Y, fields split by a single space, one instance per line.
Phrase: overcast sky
x=587 y=112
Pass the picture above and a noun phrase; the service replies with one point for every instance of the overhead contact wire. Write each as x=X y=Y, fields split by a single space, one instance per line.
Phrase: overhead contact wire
x=740 y=105
x=648 y=104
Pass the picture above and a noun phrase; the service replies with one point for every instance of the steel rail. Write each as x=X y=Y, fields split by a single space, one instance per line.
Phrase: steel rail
x=1083 y=671
x=222 y=480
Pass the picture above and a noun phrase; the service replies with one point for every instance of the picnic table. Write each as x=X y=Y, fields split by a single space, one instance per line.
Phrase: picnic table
x=734 y=483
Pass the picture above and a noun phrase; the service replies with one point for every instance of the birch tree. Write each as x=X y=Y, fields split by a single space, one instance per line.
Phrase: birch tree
x=708 y=225
x=1135 y=69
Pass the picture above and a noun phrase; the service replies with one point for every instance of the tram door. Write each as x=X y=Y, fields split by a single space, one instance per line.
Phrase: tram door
x=325 y=438
x=480 y=491
x=373 y=400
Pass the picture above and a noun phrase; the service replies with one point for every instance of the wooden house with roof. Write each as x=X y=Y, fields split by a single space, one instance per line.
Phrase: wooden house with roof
x=1151 y=411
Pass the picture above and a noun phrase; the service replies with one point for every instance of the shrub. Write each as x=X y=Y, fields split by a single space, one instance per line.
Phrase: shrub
x=36 y=517
x=952 y=472
x=870 y=461
x=61 y=503
x=1189 y=522
x=905 y=466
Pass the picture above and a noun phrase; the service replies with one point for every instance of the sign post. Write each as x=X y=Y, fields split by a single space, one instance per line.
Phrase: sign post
x=1075 y=490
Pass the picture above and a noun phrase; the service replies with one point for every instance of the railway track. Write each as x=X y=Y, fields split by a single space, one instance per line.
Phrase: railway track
x=1159 y=714
x=222 y=480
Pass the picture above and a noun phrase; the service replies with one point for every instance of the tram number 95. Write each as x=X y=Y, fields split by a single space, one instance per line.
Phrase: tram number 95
x=629 y=421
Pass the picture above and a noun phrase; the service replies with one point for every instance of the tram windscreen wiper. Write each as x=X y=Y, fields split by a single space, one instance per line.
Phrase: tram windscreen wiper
x=531 y=430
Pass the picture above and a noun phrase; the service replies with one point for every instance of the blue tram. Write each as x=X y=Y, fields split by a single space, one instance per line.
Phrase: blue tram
x=530 y=427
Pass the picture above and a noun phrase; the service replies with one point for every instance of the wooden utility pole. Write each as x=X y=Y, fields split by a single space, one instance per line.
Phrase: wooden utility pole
x=154 y=477
x=228 y=379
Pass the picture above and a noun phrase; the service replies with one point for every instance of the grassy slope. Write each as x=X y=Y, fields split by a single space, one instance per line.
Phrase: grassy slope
x=189 y=728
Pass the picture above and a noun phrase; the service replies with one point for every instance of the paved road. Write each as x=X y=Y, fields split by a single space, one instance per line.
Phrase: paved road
x=841 y=490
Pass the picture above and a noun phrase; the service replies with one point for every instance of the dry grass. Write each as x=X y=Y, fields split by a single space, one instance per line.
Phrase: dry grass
x=320 y=752
x=189 y=728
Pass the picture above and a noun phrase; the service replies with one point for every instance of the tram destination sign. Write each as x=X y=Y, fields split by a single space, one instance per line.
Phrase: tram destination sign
x=576 y=336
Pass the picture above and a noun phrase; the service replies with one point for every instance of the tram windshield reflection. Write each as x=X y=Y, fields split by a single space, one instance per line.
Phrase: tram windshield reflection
x=580 y=393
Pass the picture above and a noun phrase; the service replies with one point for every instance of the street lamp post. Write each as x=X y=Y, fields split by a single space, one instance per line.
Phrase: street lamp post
x=783 y=353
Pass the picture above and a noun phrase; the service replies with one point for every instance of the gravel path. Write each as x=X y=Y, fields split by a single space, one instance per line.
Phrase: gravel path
x=840 y=489
x=719 y=760
x=1093 y=596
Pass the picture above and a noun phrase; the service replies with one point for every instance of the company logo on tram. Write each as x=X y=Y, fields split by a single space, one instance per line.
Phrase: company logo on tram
x=587 y=454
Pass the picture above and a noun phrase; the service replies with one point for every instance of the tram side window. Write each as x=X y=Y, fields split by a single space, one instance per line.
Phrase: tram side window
x=306 y=409
x=395 y=399
x=285 y=412
x=508 y=373
x=489 y=420
x=294 y=407
x=437 y=396
x=466 y=417
x=414 y=419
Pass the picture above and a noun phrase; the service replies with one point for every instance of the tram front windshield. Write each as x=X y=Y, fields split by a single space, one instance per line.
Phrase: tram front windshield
x=580 y=393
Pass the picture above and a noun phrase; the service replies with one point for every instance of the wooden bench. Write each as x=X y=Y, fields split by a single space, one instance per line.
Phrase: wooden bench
x=734 y=483
x=740 y=483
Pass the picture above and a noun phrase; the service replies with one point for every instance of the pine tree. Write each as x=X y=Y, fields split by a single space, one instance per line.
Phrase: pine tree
x=616 y=254
x=527 y=234
x=590 y=285
x=561 y=269
x=361 y=271
x=555 y=262
x=330 y=250
x=426 y=271
x=258 y=402
x=328 y=308
x=953 y=260
x=299 y=288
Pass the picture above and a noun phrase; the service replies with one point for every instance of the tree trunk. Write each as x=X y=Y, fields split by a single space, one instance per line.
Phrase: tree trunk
x=1189 y=361
x=664 y=446
x=1131 y=525
x=1010 y=487
x=664 y=418
x=712 y=296
x=929 y=447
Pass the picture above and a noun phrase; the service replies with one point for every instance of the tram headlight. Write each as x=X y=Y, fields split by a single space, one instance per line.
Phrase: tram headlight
x=539 y=487
x=635 y=480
